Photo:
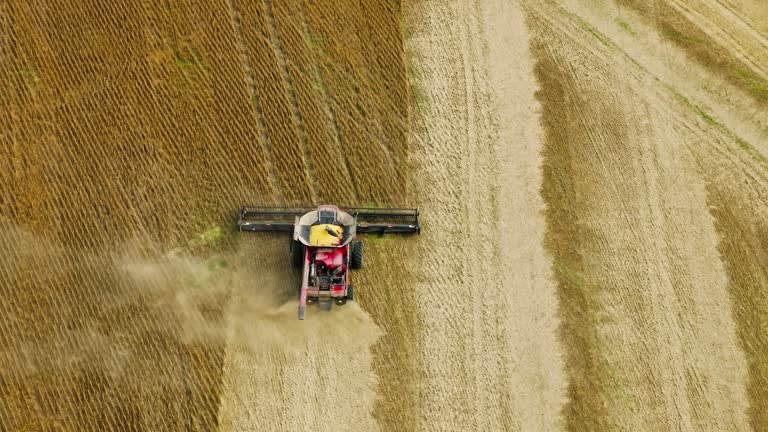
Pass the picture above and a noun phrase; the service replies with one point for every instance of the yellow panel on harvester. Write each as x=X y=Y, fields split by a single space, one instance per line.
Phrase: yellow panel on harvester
x=325 y=235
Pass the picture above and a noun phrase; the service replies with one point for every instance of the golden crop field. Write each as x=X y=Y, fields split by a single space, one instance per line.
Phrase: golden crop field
x=591 y=178
x=130 y=127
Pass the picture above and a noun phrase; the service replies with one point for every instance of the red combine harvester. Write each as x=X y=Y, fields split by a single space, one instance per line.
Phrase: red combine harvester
x=323 y=243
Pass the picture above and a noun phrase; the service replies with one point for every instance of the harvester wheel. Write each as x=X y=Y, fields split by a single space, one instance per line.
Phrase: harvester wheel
x=297 y=254
x=357 y=255
x=350 y=293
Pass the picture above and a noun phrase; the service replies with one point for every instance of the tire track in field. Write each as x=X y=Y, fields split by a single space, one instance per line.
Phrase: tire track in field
x=725 y=133
x=328 y=108
x=258 y=110
x=489 y=359
x=344 y=65
x=751 y=12
x=731 y=33
x=642 y=285
x=310 y=90
x=295 y=110
x=710 y=36
x=736 y=175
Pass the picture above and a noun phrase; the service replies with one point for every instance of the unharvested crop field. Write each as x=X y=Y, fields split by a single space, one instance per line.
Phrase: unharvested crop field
x=593 y=182
x=131 y=129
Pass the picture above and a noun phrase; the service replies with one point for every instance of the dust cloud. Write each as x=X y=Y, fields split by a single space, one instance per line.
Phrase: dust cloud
x=259 y=311
x=211 y=300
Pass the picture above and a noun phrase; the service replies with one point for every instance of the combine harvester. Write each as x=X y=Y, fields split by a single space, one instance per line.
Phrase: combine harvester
x=323 y=243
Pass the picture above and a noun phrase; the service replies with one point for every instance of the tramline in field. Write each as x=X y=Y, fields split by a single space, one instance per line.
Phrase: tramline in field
x=323 y=243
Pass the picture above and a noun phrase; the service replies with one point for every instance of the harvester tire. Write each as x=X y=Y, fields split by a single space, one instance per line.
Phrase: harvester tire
x=351 y=293
x=297 y=254
x=357 y=255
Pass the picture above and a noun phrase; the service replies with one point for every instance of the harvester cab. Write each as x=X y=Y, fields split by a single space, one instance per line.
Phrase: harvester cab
x=324 y=245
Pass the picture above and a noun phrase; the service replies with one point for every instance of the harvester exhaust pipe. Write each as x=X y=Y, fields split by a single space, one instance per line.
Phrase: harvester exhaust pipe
x=304 y=286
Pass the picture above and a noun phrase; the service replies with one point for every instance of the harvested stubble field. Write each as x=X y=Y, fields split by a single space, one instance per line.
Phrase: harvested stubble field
x=593 y=182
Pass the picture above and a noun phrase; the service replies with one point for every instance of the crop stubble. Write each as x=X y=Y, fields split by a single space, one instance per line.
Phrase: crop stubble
x=488 y=355
x=684 y=261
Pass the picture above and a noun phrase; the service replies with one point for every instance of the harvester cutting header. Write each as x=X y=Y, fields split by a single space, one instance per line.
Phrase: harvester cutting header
x=323 y=243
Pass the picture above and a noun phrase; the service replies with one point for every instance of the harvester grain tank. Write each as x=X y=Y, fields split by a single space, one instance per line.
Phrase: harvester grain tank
x=324 y=245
